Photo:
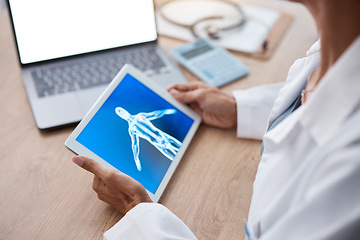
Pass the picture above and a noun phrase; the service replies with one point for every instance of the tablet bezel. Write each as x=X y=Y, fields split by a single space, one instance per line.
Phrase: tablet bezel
x=79 y=149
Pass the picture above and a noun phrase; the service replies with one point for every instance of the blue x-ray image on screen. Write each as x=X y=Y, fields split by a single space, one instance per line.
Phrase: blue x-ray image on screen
x=137 y=132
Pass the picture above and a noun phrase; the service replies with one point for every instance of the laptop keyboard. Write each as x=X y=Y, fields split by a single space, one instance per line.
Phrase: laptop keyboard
x=95 y=71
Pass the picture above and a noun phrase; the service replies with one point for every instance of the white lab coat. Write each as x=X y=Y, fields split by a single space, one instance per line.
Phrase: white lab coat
x=308 y=181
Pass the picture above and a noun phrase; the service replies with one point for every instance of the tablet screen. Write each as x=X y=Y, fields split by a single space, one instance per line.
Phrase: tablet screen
x=137 y=132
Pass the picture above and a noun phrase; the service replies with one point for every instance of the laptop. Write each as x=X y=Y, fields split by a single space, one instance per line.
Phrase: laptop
x=70 y=50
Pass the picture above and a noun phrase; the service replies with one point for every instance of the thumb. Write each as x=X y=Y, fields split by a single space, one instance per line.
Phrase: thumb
x=89 y=165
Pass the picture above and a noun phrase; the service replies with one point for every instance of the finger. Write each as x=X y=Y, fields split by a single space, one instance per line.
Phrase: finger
x=90 y=165
x=183 y=87
x=188 y=97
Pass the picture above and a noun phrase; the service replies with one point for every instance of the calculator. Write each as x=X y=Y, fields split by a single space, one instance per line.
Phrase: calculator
x=210 y=62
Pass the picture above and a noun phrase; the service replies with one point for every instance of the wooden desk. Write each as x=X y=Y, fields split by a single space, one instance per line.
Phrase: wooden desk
x=43 y=195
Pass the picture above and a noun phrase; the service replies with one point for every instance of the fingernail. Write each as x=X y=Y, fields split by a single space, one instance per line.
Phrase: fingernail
x=174 y=91
x=78 y=160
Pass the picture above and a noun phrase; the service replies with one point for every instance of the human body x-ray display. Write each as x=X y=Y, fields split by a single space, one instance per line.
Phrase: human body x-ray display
x=137 y=132
x=140 y=126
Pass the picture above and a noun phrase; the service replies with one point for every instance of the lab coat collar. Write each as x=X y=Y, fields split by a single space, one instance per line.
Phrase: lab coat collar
x=296 y=81
x=335 y=97
x=314 y=48
x=331 y=102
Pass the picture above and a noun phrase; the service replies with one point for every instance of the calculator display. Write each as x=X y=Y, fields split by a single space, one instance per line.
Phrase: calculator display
x=197 y=51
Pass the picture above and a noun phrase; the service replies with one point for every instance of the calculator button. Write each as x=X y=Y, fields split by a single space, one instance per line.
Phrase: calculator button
x=208 y=74
x=214 y=66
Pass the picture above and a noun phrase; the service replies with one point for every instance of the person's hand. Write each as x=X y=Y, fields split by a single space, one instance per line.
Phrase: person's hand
x=114 y=187
x=215 y=107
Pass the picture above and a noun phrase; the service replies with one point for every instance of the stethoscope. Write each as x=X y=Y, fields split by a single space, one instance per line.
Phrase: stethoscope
x=211 y=29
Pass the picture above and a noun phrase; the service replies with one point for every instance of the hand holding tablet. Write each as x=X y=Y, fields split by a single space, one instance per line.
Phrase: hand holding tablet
x=114 y=187
x=137 y=128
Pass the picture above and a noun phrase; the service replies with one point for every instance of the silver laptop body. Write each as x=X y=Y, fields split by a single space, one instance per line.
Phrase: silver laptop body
x=70 y=50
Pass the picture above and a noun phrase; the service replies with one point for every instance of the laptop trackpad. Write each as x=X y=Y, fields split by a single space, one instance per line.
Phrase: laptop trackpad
x=88 y=97
x=56 y=110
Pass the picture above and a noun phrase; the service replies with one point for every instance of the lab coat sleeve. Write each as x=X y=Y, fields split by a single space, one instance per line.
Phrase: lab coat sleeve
x=253 y=109
x=149 y=221
x=329 y=208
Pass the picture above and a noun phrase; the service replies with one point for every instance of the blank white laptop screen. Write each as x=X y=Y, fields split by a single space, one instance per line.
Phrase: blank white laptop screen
x=57 y=28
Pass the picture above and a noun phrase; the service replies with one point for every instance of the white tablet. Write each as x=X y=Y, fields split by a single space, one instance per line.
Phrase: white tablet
x=138 y=128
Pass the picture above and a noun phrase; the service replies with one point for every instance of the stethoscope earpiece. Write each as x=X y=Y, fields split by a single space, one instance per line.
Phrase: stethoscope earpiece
x=212 y=31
